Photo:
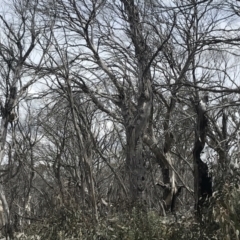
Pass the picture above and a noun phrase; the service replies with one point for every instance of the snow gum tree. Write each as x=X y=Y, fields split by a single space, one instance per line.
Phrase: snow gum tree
x=140 y=98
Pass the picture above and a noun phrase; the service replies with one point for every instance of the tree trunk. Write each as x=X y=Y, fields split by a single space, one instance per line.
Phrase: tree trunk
x=86 y=153
x=169 y=179
x=170 y=189
x=135 y=164
x=6 y=112
x=137 y=126
x=202 y=180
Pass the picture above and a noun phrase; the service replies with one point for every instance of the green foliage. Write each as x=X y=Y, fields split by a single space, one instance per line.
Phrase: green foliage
x=63 y=224
x=220 y=220
x=78 y=225
x=225 y=206
x=135 y=225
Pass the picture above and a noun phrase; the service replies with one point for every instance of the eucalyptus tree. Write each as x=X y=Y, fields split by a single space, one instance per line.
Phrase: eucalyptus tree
x=213 y=80
x=20 y=33
x=66 y=121
x=142 y=63
x=19 y=174
x=115 y=71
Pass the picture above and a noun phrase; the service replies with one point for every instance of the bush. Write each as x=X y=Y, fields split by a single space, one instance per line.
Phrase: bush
x=220 y=220
x=225 y=206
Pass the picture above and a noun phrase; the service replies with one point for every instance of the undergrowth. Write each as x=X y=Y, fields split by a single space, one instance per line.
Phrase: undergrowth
x=220 y=220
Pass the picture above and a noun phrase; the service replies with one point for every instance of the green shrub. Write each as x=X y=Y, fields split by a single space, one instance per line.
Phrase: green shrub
x=220 y=220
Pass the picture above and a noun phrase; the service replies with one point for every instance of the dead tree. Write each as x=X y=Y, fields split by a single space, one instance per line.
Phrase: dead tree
x=202 y=180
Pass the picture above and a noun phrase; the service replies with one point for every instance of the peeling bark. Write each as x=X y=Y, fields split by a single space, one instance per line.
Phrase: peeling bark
x=169 y=178
x=171 y=190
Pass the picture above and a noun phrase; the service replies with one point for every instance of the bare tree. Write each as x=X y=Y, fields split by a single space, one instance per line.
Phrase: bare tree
x=19 y=37
x=141 y=64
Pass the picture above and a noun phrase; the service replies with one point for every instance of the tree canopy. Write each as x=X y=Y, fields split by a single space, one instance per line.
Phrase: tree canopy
x=112 y=106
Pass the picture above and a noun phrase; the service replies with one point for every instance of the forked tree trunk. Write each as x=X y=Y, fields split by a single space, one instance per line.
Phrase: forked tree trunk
x=170 y=189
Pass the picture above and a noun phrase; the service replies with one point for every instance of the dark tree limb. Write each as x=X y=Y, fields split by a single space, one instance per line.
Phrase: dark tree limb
x=202 y=180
